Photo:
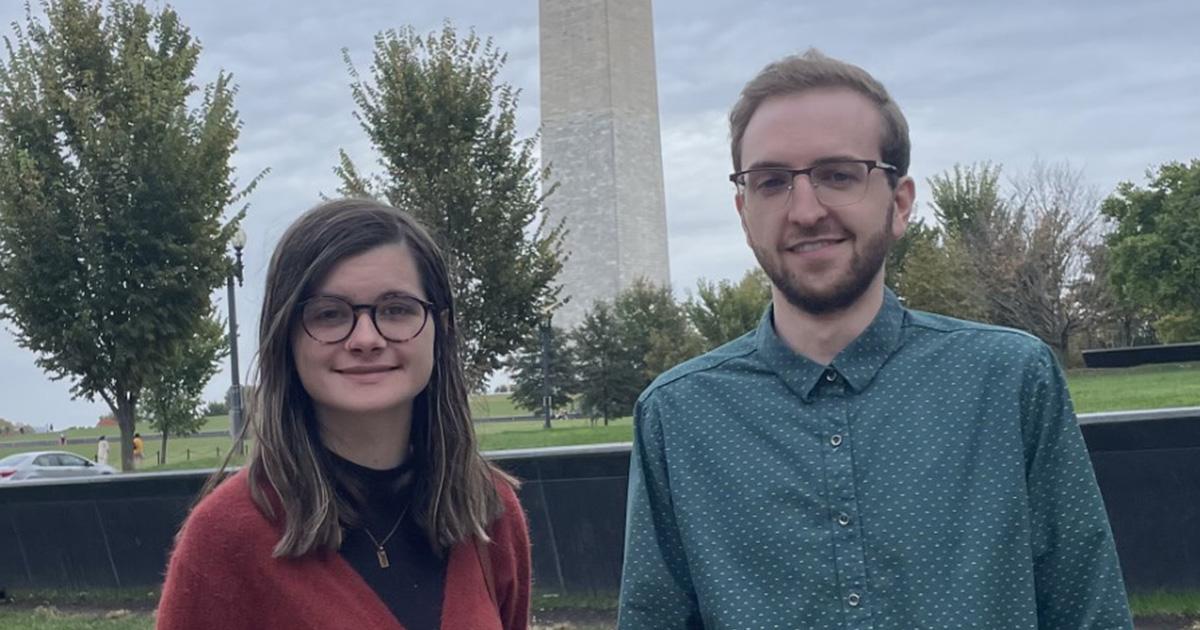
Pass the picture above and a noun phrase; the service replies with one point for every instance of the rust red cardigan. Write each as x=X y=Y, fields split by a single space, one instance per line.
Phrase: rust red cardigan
x=221 y=575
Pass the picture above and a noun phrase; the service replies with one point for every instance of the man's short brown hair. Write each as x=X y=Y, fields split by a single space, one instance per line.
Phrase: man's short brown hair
x=797 y=73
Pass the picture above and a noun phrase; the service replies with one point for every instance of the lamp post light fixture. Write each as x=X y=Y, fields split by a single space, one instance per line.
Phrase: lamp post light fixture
x=544 y=332
x=236 y=418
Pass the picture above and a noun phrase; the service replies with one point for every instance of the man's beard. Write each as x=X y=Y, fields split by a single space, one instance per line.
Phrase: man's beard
x=864 y=266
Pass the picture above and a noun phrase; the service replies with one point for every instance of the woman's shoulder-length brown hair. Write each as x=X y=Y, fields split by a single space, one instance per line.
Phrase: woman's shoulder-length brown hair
x=292 y=479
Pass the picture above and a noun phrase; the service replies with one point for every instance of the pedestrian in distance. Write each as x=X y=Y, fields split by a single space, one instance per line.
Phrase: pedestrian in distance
x=139 y=450
x=102 y=450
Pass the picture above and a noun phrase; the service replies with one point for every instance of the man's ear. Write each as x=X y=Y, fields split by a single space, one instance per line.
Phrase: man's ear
x=904 y=199
x=739 y=202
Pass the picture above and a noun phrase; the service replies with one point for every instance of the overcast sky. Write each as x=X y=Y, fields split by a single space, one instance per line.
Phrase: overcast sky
x=1113 y=88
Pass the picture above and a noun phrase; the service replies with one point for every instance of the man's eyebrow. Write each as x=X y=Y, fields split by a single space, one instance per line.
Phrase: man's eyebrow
x=821 y=160
x=767 y=164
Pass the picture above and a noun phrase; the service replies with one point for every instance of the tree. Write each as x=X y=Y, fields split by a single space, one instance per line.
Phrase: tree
x=112 y=189
x=934 y=274
x=722 y=311
x=1115 y=321
x=172 y=398
x=965 y=199
x=980 y=237
x=655 y=330
x=444 y=129
x=1061 y=213
x=7 y=427
x=609 y=379
x=216 y=408
x=621 y=347
x=526 y=367
x=1024 y=255
x=1155 y=247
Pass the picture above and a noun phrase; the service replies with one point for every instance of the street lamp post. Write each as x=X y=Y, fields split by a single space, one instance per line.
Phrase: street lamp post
x=544 y=334
x=236 y=420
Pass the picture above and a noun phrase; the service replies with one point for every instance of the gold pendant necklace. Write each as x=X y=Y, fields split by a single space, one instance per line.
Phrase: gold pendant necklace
x=380 y=553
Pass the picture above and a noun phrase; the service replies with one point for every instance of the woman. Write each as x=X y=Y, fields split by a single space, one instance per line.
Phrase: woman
x=365 y=502
x=102 y=450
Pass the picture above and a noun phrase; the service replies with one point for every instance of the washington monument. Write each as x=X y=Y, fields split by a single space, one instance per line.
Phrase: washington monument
x=600 y=137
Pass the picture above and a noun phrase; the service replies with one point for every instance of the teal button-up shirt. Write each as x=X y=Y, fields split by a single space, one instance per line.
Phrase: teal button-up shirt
x=932 y=476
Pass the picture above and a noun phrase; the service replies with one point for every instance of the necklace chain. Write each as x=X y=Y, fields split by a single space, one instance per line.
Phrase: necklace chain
x=380 y=553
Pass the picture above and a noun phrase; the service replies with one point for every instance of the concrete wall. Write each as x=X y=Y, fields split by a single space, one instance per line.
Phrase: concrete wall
x=117 y=532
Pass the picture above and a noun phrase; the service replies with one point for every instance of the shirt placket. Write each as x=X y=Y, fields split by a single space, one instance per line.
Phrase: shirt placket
x=843 y=505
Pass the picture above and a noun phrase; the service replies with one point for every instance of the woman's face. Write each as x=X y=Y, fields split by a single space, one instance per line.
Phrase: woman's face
x=366 y=374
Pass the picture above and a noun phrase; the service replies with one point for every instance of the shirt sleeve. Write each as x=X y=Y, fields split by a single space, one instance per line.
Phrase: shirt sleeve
x=1076 y=573
x=656 y=586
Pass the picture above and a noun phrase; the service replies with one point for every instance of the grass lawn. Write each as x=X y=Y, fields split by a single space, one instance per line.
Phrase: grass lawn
x=496 y=406
x=1166 y=603
x=1142 y=387
x=181 y=452
x=126 y=610
x=563 y=433
x=53 y=619
x=49 y=618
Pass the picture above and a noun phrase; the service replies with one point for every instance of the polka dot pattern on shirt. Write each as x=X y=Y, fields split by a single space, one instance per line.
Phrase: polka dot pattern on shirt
x=932 y=476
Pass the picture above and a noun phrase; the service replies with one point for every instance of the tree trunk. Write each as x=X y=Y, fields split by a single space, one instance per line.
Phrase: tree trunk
x=162 y=459
x=125 y=413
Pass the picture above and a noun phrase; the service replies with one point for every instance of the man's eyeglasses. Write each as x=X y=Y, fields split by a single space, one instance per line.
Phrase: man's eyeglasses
x=835 y=183
x=330 y=319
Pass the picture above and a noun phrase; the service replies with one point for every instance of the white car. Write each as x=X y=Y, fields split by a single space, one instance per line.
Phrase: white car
x=49 y=465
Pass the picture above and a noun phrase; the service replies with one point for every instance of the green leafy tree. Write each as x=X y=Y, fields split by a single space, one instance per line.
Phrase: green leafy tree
x=621 y=347
x=655 y=329
x=526 y=366
x=916 y=235
x=980 y=241
x=609 y=377
x=1115 y=320
x=172 y=399
x=722 y=311
x=112 y=191
x=934 y=274
x=444 y=128
x=965 y=198
x=1155 y=245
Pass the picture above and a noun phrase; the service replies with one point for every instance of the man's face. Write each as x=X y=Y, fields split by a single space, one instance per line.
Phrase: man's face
x=822 y=259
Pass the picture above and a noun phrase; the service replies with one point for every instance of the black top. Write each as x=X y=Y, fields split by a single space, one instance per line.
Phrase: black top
x=412 y=584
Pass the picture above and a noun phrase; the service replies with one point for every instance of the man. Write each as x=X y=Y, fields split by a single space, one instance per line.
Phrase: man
x=851 y=463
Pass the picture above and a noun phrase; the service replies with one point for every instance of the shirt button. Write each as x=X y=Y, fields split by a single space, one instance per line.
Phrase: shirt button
x=853 y=599
x=835 y=440
x=831 y=376
x=843 y=519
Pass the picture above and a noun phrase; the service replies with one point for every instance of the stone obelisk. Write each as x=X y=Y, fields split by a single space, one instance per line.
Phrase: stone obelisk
x=600 y=137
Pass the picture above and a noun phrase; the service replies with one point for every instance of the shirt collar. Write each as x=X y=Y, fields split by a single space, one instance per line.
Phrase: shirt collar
x=858 y=363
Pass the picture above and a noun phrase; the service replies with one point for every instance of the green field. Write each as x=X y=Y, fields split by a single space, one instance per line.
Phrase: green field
x=1145 y=387
x=121 y=610
x=49 y=618
x=1142 y=387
